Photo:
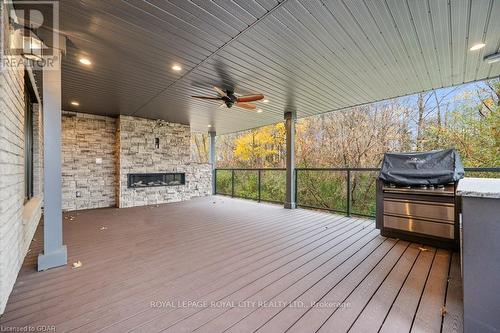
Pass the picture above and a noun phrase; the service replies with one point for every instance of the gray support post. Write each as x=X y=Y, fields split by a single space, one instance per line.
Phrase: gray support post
x=290 y=118
x=54 y=252
x=211 y=158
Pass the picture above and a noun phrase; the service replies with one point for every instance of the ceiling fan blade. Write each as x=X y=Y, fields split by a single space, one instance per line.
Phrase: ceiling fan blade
x=220 y=91
x=206 y=97
x=250 y=98
x=247 y=106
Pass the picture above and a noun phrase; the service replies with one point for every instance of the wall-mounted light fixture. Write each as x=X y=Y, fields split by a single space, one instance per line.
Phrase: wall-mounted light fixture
x=23 y=41
x=32 y=47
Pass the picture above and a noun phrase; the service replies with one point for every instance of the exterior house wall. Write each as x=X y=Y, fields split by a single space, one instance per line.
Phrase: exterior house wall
x=88 y=167
x=18 y=220
x=137 y=154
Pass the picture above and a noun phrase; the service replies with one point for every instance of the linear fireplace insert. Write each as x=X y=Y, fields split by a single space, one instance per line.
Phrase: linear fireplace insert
x=140 y=180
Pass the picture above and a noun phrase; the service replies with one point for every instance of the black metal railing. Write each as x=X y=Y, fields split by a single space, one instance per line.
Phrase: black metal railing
x=266 y=184
x=350 y=191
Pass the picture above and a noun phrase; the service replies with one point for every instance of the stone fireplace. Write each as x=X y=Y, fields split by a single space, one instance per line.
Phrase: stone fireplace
x=157 y=155
x=128 y=161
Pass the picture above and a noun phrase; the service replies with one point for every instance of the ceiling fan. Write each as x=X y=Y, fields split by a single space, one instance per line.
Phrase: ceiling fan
x=229 y=98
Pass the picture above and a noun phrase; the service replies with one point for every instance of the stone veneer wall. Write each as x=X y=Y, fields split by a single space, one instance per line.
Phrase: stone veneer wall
x=86 y=138
x=137 y=154
x=18 y=220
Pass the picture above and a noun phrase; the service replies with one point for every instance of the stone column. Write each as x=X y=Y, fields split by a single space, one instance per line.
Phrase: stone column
x=290 y=118
x=54 y=252
x=211 y=157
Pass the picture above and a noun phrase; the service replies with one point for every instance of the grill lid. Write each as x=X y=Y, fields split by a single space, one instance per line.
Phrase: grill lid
x=435 y=167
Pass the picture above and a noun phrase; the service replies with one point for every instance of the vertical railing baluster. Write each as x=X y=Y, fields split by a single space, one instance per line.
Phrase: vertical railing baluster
x=258 y=183
x=348 y=192
x=215 y=181
x=232 y=183
x=296 y=187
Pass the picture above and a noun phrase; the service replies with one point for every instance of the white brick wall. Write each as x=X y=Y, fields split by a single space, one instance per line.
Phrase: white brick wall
x=17 y=221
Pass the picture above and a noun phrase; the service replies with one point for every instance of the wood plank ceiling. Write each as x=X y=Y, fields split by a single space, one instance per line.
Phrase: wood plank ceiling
x=311 y=55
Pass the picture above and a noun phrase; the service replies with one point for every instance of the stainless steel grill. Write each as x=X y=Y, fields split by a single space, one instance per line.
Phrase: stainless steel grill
x=419 y=208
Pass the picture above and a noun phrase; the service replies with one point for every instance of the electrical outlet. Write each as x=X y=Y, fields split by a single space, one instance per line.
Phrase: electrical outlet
x=78 y=194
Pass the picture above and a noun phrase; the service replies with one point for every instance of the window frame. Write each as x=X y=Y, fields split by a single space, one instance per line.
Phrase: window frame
x=29 y=99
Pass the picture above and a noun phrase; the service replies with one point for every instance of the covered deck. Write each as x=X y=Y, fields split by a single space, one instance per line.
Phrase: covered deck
x=220 y=264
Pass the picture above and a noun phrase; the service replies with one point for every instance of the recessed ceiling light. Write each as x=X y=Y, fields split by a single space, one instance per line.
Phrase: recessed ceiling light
x=259 y=110
x=85 y=61
x=209 y=125
x=75 y=103
x=265 y=101
x=176 y=68
x=477 y=46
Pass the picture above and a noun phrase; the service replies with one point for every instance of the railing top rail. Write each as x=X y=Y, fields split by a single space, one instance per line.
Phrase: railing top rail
x=337 y=169
x=469 y=169
x=482 y=169
x=251 y=169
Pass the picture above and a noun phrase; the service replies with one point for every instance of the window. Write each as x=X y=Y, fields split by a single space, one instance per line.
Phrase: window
x=29 y=98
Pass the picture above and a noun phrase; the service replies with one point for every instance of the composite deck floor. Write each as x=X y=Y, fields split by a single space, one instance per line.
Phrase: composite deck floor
x=227 y=265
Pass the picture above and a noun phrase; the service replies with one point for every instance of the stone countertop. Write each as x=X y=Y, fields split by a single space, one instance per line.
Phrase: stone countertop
x=479 y=187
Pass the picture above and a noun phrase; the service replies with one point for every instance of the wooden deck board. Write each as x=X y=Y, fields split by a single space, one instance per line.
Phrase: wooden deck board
x=372 y=315
x=240 y=253
x=208 y=283
x=453 y=319
x=400 y=316
x=257 y=247
x=429 y=313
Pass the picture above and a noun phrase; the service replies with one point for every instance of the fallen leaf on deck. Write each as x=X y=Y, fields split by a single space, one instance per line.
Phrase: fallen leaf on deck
x=77 y=264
